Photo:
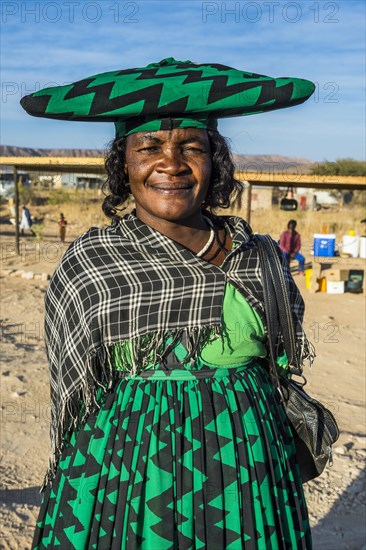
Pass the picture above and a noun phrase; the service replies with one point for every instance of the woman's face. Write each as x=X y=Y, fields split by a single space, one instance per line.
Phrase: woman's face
x=169 y=173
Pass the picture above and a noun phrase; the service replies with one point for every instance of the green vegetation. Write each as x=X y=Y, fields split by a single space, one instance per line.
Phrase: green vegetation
x=25 y=193
x=341 y=167
x=37 y=229
x=59 y=196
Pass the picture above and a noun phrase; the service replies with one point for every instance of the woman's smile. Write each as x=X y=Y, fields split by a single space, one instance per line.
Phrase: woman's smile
x=171 y=189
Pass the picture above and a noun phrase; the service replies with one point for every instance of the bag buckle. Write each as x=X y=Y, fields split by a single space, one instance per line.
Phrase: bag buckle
x=300 y=379
x=330 y=455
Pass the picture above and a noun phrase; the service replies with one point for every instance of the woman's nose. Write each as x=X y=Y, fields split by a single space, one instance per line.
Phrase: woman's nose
x=172 y=162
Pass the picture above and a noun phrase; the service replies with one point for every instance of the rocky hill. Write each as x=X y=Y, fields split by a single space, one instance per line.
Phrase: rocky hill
x=13 y=151
x=273 y=164
x=251 y=163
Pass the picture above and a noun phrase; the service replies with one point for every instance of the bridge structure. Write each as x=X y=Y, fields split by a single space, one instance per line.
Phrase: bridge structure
x=95 y=165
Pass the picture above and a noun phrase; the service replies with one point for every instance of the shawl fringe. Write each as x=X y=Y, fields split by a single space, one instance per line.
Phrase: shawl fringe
x=147 y=349
x=305 y=356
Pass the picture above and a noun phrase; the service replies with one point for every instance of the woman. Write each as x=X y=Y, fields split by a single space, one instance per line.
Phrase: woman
x=167 y=430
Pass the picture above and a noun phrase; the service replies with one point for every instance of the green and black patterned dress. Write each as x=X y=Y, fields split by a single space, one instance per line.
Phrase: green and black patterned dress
x=199 y=456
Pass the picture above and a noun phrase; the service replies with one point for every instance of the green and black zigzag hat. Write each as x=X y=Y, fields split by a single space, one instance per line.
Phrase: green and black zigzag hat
x=166 y=95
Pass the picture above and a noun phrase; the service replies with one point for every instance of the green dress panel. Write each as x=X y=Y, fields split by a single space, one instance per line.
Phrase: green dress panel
x=242 y=339
x=195 y=457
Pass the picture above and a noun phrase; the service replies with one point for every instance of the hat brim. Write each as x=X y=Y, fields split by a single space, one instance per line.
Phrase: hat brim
x=168 y=89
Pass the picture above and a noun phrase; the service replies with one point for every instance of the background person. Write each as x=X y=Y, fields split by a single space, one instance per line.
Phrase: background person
x=26 y=221
x=62 y=228
x=167 y=430
x=290 y=244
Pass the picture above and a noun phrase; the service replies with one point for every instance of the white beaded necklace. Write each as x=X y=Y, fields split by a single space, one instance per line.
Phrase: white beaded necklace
x=210 y=239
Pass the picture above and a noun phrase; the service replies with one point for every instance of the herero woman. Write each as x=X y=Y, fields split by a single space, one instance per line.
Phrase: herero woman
x=167 y=431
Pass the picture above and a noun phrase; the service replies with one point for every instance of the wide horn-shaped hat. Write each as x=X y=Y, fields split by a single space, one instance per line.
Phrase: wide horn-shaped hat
x=167 y=95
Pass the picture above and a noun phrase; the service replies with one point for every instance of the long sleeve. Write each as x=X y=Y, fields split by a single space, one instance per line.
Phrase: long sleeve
x=284 y=244
x=297 y=243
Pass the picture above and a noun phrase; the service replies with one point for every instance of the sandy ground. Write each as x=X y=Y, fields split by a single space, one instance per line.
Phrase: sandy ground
x=335 y=324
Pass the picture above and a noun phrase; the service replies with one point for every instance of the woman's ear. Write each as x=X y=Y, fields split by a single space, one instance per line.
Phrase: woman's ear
x=125 y=170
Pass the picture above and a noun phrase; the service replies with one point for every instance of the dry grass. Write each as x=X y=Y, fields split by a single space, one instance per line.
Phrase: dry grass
x=340 y=222
x=82 y=210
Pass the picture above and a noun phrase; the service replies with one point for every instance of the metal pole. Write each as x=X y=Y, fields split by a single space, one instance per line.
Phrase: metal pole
x=249 y=201
x=16 y=188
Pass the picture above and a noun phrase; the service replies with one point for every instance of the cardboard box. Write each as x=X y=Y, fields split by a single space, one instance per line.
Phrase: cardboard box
x=335 y=287
x=336 y=274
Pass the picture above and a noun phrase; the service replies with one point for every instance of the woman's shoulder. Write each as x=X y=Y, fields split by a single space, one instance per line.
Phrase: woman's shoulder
x=92 y=238
x=239 y=228
x=81 y=253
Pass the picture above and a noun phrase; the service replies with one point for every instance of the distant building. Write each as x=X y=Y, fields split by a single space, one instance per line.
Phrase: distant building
x=68 y=181
x=82 y=181
x=7 y=182
x=317 y=197
x=261 y=197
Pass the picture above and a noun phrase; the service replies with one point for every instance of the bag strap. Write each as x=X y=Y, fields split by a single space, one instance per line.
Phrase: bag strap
x=271 y=310
x=277 y=305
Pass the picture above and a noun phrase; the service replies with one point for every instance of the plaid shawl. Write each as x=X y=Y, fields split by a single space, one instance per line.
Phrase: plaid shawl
x=129 y=282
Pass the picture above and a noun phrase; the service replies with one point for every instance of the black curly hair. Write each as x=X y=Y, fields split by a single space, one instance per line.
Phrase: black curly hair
x=223 y=189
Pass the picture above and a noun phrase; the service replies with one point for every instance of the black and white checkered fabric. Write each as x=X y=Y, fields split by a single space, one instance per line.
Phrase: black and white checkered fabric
x=130 y=282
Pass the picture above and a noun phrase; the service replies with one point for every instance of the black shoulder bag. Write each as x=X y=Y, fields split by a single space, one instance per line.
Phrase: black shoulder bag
x=313 y=425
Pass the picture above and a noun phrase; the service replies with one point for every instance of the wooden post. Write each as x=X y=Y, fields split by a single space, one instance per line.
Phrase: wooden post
x=16 y=188
x=248 y=201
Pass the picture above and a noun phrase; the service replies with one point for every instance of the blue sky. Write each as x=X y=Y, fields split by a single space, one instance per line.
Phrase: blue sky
x=56 y=42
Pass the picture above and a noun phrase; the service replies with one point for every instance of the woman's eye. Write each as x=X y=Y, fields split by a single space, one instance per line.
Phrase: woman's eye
x=194 y=149
x=148 y=149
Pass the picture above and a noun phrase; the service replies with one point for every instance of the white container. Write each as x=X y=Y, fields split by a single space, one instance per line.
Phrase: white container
x=363 y=247
x=335 y=287
x=351 y=245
